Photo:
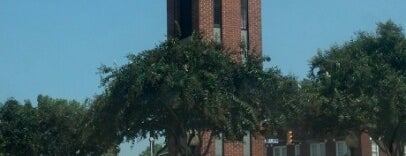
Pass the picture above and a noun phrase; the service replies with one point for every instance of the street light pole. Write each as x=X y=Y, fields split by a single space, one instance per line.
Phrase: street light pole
x=151 y=145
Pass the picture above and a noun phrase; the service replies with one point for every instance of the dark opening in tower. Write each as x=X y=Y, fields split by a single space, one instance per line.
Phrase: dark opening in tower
x=185 y=18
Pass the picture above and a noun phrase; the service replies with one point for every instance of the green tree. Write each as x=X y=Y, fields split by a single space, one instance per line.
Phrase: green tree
x=54 y=127
x=361 y=86
x=280 y=96
x=62 y=126
x=100 y=133
x=181 y=88
x=18 y=129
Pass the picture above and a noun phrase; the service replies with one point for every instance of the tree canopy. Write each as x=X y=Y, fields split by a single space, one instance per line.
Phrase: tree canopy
x=361 y=85
x=184 y=87
x=54 y=127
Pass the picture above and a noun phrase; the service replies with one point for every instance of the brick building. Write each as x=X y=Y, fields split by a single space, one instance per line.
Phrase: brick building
x=236 y=24
x=358 y=145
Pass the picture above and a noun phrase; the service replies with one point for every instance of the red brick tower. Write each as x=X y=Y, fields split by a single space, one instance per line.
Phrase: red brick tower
x=236 y=24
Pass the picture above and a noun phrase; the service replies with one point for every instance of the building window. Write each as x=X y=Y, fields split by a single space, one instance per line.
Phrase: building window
x=280 y=151
x=217 y=20
x=374 y=149
x=247 y=144
x=318 y=149
x=297 y=150
x=185 y=18
x=342 y=149
x=244 y=14
x=244 y=45
x=244 y=30
x=217 y=13
x=219 y=146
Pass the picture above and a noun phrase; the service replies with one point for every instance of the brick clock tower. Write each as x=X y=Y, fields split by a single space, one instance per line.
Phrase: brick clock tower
x=236 y=24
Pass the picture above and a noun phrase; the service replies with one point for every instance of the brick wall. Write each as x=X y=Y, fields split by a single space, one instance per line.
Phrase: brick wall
x=205 y=22
x=205 y=144
x=231 y=22
x=231 y=31
x=233 y=148
x=255 y=26
x=257 y=145
x=365 y=145
x=171 y=17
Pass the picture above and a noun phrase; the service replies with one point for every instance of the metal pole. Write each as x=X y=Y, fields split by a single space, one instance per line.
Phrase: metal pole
x=151 y=145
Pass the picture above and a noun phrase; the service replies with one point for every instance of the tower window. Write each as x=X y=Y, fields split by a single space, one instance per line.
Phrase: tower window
x=217 y=13
x=244 y=30
x=244 y=14
x=217 y=20
x=185 y=18
x=244 y=45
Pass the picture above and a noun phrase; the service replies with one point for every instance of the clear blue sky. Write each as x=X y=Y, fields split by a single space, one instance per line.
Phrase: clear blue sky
x=55 y=47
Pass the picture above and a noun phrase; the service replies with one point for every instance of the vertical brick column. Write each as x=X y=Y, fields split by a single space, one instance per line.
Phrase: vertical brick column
x=195 y=15
x=365 y=144
x=231 y=30
x=330 y=147
x=255 y=26
x=257 y=145
x=205 y=144
x=233 y=148
x=171 y=17
x=205 y=22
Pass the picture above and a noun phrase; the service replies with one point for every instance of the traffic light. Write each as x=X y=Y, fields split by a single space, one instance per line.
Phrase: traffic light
x=289 y=139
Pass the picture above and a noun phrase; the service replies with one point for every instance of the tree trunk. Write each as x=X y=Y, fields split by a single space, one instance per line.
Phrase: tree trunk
x=178 y=140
